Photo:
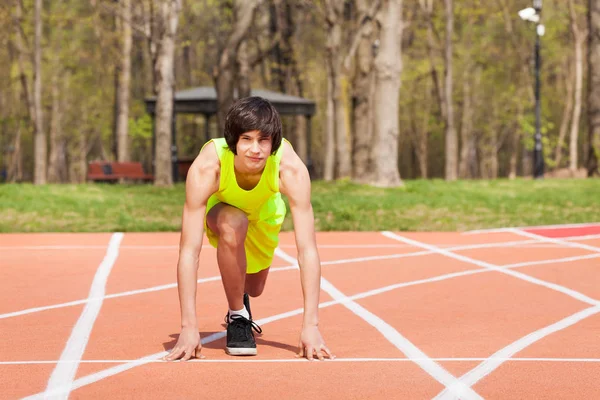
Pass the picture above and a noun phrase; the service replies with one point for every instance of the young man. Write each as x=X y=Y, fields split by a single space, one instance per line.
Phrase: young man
x=233 y=189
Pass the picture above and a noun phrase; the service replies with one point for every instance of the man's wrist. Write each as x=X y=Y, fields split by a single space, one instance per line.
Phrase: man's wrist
x=310 y=323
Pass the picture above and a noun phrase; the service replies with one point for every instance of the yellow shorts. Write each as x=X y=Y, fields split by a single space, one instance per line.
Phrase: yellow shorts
x=262 y=237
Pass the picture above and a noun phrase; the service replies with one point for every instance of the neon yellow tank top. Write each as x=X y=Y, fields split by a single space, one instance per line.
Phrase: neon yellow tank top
x=260 y=203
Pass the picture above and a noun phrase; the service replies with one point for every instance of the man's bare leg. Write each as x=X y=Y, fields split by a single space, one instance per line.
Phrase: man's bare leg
x=255 y=283
x=231 y=225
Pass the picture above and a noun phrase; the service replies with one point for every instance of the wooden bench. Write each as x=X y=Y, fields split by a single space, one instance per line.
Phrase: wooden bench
x=113 y=171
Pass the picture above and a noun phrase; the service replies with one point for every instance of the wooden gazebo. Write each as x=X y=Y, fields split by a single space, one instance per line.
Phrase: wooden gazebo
x=203 y=100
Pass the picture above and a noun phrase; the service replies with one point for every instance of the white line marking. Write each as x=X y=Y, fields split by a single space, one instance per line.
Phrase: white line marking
x=89 y=379
x=569 y=292
x=556 y=241
x=438 y=372
x=64 y=373
x=559 y=226
x=293 y=360
x=275 y=269
x=499 y=357
x=523 y=243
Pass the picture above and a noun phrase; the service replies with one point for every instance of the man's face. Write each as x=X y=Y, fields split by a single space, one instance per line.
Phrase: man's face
x=253 y=149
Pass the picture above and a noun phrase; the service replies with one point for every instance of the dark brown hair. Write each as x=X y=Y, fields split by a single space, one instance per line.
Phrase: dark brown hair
x=252 y=114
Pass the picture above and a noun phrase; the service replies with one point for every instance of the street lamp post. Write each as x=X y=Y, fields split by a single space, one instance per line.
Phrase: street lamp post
x=533 y=15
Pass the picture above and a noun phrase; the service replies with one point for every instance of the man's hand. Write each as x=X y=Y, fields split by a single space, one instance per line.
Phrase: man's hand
x=311 y=342
x=188 y=345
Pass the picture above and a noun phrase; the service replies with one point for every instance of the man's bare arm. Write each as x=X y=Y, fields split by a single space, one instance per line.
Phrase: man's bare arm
x=202 y=181
x=295 y=184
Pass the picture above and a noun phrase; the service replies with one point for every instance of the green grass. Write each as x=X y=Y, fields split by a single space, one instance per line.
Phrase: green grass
x=422 y=205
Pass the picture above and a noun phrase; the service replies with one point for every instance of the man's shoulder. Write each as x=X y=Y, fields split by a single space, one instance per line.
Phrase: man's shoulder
x=290 y=161
x=207 y=161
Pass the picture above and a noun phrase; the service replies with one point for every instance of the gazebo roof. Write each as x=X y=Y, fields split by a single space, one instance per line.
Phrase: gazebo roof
x=203 y=100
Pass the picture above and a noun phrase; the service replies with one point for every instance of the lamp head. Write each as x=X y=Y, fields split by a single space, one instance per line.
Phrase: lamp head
x=529 y=14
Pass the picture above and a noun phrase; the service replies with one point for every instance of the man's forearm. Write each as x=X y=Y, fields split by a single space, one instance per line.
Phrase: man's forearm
x=310 y=276
x=187 y=276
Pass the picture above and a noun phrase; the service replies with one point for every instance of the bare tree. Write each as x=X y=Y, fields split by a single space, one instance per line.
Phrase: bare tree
x=567 y=111
x=363 y=86
x=15 y=170
x=451 y=138
x=594 y=87
x=388 y=67
x=225 y=72
x=168 y=14
x=337 y=156
x=40 y=151
x=124 y=83
x=444 y=94
x=527 y=86
x=579 y=36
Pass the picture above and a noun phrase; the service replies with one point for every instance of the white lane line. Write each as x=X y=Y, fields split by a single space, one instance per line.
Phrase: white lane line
x=499 y=230
x=89 y=379
x=522 y=243
x=436 y=371
x=64 y=373
x=556 y=241
x=294 y=360
x=498 y=358
x=569 y=292
x=275 y=269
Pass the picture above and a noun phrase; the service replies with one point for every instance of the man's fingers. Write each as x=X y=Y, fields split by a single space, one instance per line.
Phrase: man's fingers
x=327 y=351
x=320 y=355
x=174 y=354
x=197 y=353
x=309 y=352
x=300 y=353
x=187 y=355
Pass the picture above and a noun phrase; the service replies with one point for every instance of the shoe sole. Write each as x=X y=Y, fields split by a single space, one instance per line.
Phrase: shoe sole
x=241 y=351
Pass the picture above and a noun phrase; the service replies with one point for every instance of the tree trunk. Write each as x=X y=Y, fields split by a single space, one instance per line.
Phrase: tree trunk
x=40 y=150
x=225 y=72
x=427 y=8
x=515 y=140
x=15 y=167
x=124 y=84
x=339 y=165
x=55 y=133
x=451 y=138
x=342 y=148
x=593 y=87
x=329 y=170
x=243 y=77
x=420 y=134
x=579 y=37
x=577 y=109
x=169 y=15
x=362 y=103
x=388 y=67
x=466 y=126
x=566 y=117
x=527 y=86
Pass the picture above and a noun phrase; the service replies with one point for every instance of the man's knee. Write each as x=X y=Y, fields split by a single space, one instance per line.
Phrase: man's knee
x=232 y=227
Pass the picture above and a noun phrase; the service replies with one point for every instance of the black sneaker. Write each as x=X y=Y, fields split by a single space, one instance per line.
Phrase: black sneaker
x=247 y=305
x=240 y=338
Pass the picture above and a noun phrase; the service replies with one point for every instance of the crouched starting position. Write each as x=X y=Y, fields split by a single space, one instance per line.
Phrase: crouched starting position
x=233 y=190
